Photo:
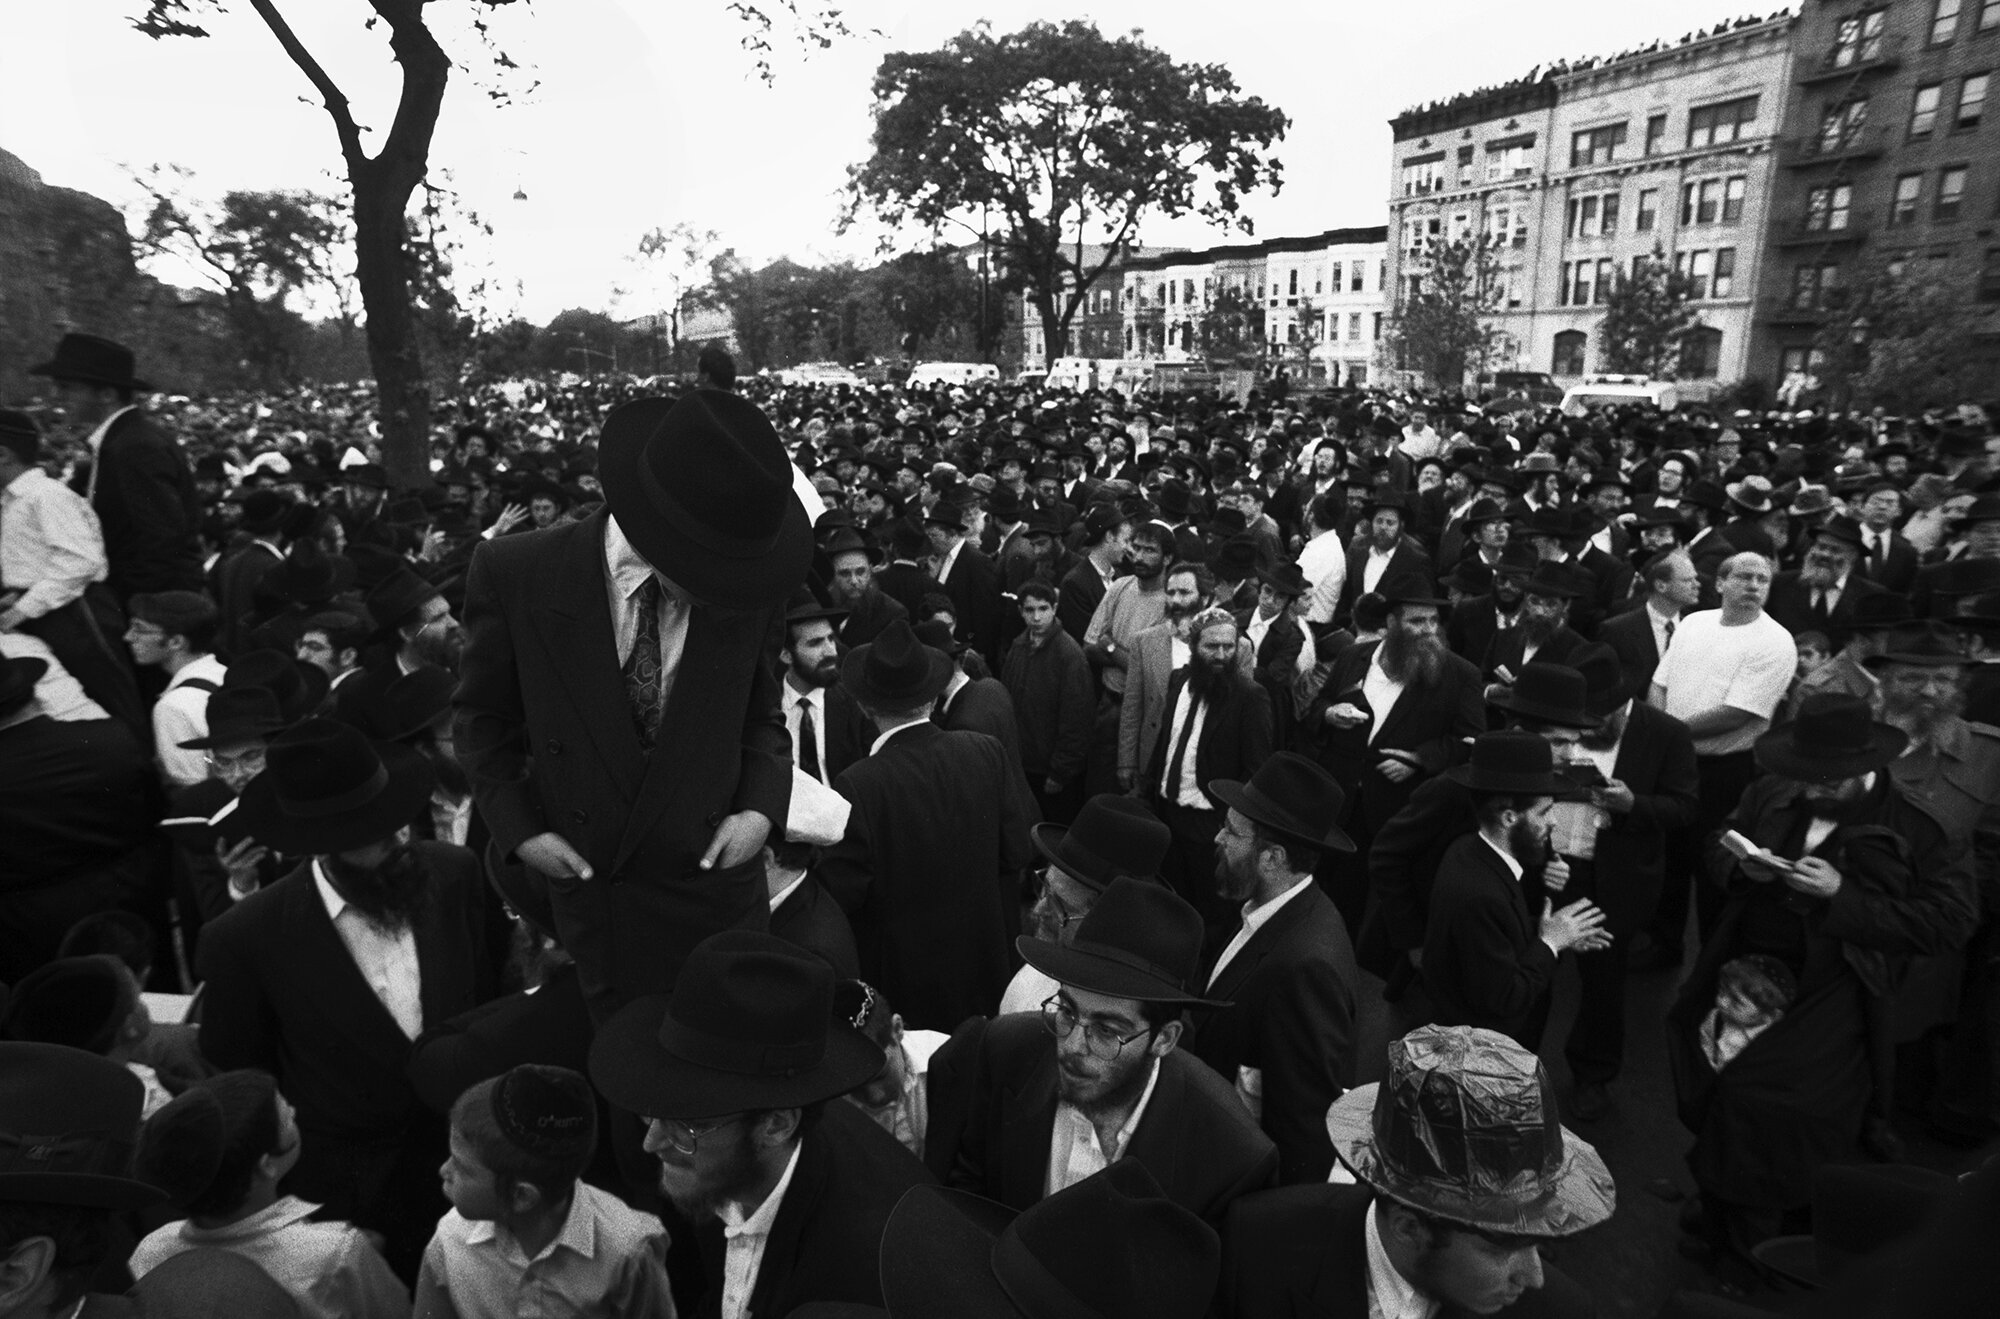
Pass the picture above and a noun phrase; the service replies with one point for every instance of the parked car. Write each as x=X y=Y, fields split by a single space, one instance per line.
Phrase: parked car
x=927 y=374
x=819 y=373
x=1537 y=387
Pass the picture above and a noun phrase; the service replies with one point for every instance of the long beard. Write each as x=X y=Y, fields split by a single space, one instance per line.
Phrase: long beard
x=1529 y=845
x=392 y=893
x=1539 y=628
x=1412 y=658
x=1921 y=718
x=1817 y=574
x=1206 y=680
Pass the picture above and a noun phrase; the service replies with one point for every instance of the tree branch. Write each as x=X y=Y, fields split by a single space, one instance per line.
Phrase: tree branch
x=330 y=93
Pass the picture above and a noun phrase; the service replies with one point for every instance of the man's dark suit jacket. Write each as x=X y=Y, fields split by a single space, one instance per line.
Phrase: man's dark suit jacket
x=1630 y=636
x=1235 y=734
x=1611 y=586
x=236 y=578
x=1430 y=723
x=1484 y=961
x=283 y=994
x=906 y=583
x=1078 y=594
x=1409 y=559
x=1508 y=647
x=1301 y=1252
x=993 y=1111
x=546 y=734
x=940 y=822
x=865 y=620
x=810 y=918
x=1791 y=603
x=1291 y=988
x=826 y=1242
x=849 y=733
x=1656 y=761
x=148 y=507
x=974 y=588
x=1277 y=662
x=1899 y=571
x=1470 y=630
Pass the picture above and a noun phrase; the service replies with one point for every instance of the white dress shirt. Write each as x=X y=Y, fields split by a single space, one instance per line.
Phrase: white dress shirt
x=1259 y=626
x=1390 y=1294
x=796 y=702
x=96 y=443
x=949 y=560
x=625 y=571
x=181 y=715
x=1381 y=691
x=745 y=1239
x=1186 y=790
x=1373 y=567
x=1075 y=1152
x=51 y=546
x=1324 y=562
x=1254 y=919
x=386 y=958
x=1830 y=596
x=1660 y=622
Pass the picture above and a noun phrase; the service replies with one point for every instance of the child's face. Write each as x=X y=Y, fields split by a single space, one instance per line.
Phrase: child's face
x=1737 y=1009
x=472 y=1187
x=1810 y=658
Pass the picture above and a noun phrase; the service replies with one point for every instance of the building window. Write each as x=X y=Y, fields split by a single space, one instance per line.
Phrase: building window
x=1568 y=360
x=1989 y=16
x=1423 y=177
x=1358 y=277
x=1701 y=353
x=1596 y=146
x=1827 y=208
x=1292 y=285
x=1841 y=125
x=1923 y=111
x=1724 y=282
x=1733 y=189
x=1337 y=276
x=1971 y=100
x=1604 y=278
x=1701 y=203
x=1696 y=266
x=1714 y=125
x=1656 y=134
x=1509 y=162
x=1354 y=326
x=1608 y=223
x=1579 y=291
x=1857 y=39
x=1903 y=210
x=1465 y=167
x=1649 y=210
x=1944 y=21
x=1816 y=286
x=1989 y=276
x=1950 y=193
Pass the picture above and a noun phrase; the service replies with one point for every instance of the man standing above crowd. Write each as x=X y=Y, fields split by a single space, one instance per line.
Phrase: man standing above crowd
x=1724 y=677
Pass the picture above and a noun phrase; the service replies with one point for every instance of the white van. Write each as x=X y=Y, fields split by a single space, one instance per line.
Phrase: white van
x=1604 y=391
x=927 y=374
x=1077 y=373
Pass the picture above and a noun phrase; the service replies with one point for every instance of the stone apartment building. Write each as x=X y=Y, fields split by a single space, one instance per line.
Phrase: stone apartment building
x=1891 y=154
x=1583 y=171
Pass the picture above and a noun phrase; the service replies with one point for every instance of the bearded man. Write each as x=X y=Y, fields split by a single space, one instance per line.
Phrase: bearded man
x=326 y=977
x=1157 y=653
x=827 y=728
x=1543 y=634
x=1822 y=594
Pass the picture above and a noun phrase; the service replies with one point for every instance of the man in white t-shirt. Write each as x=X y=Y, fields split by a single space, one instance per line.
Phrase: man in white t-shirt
x=1723 y=677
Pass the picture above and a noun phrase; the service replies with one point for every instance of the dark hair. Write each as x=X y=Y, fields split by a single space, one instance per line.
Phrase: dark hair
x=119 y=934
x=1324 y=512
x=1158 y=1016
x=717 y=365
x=249 y=1100
x=82 y=1236
x=791 y=855
x=809 y=1117
x=933 y=604
x=1035 y=589
x=1204 y=577
x=344 y=631
x=1487 y=806
x=186 y=614
x=1659 y=569
x=1299 y=859
x=1371 y=612
x=792 y=627
x=555 y=1178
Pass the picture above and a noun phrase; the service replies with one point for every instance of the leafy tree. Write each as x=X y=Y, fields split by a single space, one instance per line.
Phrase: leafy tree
x=927 y=294
x=1230 y=330
x=787 y=313
x=1064 y=138
x=1903 y=338
x=1439 y=328
x=673 y=265
x=1646 y=316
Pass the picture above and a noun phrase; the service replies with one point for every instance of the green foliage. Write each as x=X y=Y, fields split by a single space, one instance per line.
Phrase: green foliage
x=1230 y=330
x=1902 y=338
x=1440 y=329
x=1645 y=318
x=1057 y=137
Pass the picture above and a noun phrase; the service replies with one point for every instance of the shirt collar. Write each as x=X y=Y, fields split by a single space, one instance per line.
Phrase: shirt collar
x=734 y=1224
x=1131 y=1124
x=282 y=1212
x=328 y=894
x=1395 y=1296
x=884 y=737
x=20 y=485
x=1513 y=866
x=778 y=898
x=1255 y=918
x=627 y=567
x=579 y=1231
x=96 y=440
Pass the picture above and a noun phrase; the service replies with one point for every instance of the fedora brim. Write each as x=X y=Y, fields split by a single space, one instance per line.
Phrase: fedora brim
x=756 y=583
x=411 y=781
x=1928 y=661
x=85 y=1190
x=1047 y=837
x=58 y=372
x=635 y=1072
x=1550 y=784
x=1231 y=793
x=233 y=734
x=854 y=678
x=937 y=1255
x=1778 y=754
x=1548 y=714
x=1580 y=1195
x=1103 y=975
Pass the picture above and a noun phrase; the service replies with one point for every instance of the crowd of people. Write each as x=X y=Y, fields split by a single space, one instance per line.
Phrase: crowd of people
x=739 y=849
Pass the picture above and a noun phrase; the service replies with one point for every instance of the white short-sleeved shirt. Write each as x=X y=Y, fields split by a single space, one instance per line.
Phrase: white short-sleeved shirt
x=1748 y=667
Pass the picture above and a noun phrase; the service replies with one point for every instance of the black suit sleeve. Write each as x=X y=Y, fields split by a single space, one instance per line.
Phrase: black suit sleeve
x=146 y=480
x=954 y=1139
x=1307 y=1042
x=1401 y=893
x=490 y=725
x=239 y=1027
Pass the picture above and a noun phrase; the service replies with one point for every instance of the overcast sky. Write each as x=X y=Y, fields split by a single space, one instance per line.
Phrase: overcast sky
x=649 y=114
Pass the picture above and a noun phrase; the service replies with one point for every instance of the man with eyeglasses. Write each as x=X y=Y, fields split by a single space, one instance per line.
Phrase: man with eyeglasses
x=174 y=631
x=1025 y=1105
x=787 y=1193
x=219 y=863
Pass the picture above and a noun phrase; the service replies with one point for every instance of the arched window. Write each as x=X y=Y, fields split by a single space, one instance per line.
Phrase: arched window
x=1569 y=353
x=1701 y=353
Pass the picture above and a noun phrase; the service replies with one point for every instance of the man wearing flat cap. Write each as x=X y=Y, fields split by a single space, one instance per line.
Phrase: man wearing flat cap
x=1464 y=1174
x=1025 y=1105
x=617 y=712
x=735 y=1073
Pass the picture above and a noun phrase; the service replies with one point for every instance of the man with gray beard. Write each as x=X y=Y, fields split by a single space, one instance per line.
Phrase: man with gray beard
x=1827 y=589
x=1953 y=769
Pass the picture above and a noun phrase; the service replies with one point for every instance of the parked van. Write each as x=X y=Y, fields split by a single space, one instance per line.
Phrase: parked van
x=1077 y=373
x=927 y=374
x=1603 y=391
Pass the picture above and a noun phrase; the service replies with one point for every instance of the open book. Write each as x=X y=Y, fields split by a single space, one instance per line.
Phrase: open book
x=1743 y=849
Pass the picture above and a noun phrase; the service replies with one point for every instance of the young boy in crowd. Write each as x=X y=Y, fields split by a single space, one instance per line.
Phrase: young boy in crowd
x=89 y=1003
x=524 y=1234
x=1751 y=995
x=219 y=1151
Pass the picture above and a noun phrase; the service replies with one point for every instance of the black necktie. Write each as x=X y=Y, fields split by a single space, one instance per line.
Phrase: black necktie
x=1670 y=634
x=808 y=740
x=1171 y=790
x=1879 y=557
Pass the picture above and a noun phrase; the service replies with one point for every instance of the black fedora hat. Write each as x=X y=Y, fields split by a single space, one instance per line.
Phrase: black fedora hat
x=1842 y=528
x=1114 y=836
x=1140 y=941
x=299 y=687
x=946 y=512
x=1511 y=761
x=1929 y=644
x=412 y=703
x=749 y=1025
x=69 y=1126
x=804 y=607
x=1408 y=588
x=237 y=715
x=308 y=577
x=1286 y=579
x=327 y=787
x=399 y=595
x=937 y=634
x=703 y=490
x=1484 y=509
x=264 y=511
x=1555 y=580
x=1605 y=683
x=1385 y=496
x=92 y=360
x=1834 y=736
x=895 y=669
x=1293 y=797
x=1880 y=612
x=1549 y=694
x=1113 y=1246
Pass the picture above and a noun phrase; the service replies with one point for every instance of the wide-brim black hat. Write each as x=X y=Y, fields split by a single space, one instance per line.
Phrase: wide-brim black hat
x=328 y=787
x=1112 y=835
x=93 y=361
x=1139 y=941
x=749 y=1025
x=702 y=488
x=1548 y=694
x=1516 y=762
x=1834 y=736
x=69 y=1126
x=895 y=668
x=1292 y=797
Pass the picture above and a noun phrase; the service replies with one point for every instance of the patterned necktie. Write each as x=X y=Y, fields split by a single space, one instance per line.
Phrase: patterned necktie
x=642 y=667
